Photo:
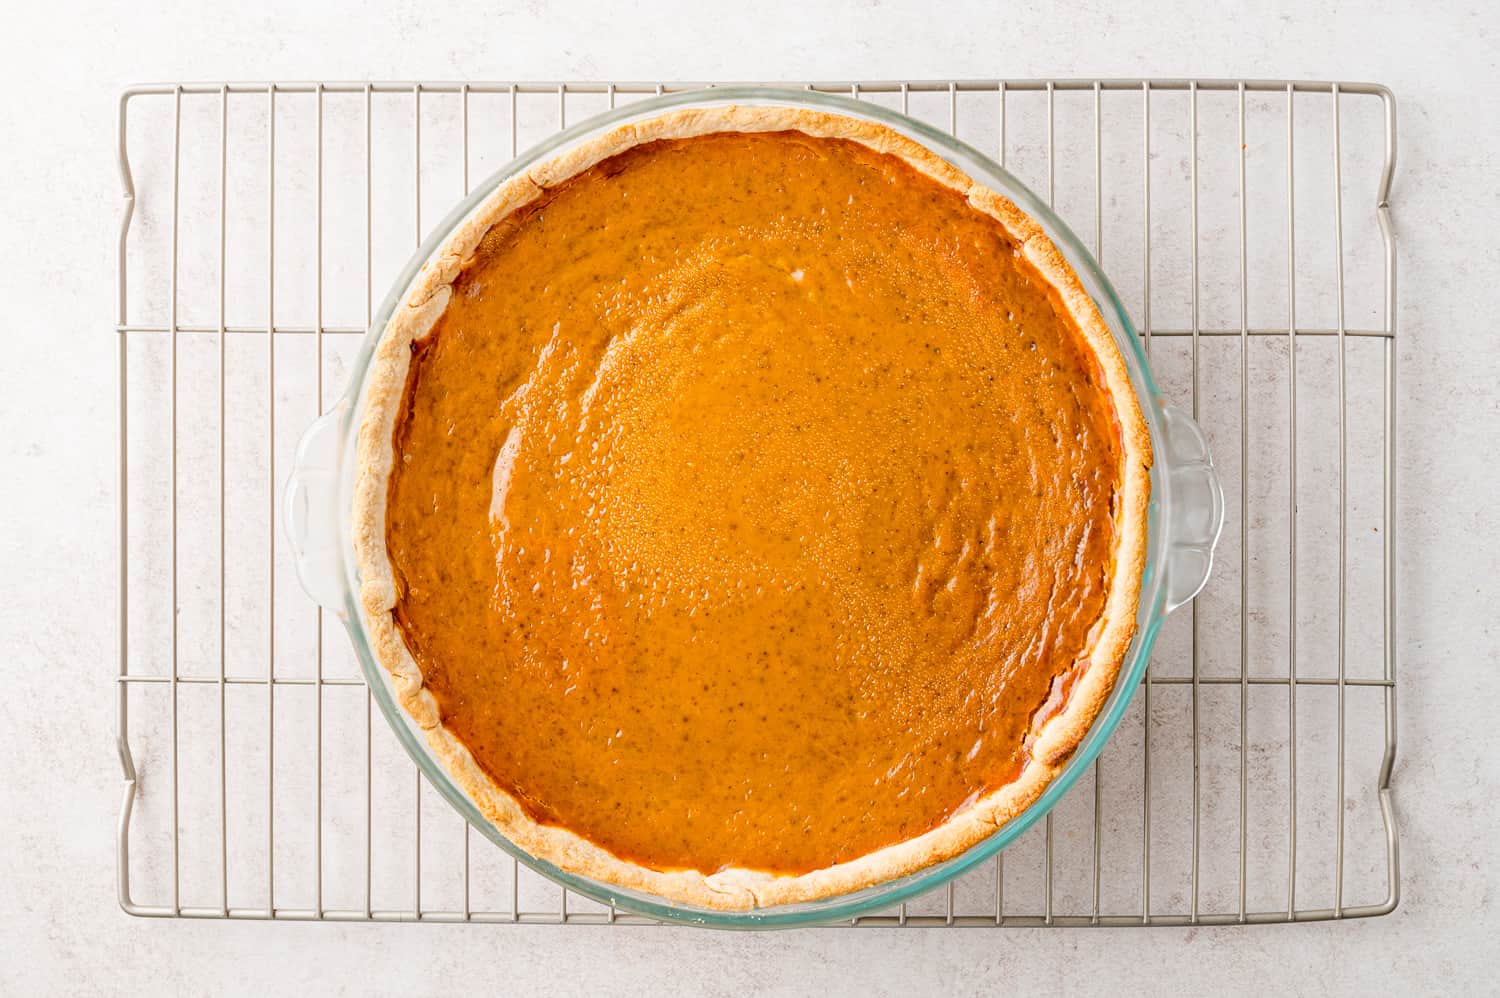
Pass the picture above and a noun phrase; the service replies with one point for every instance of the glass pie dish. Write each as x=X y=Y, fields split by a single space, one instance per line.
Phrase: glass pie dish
x=1183 y=520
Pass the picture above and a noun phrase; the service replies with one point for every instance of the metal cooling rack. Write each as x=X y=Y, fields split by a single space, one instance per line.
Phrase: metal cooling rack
x=1247 y=225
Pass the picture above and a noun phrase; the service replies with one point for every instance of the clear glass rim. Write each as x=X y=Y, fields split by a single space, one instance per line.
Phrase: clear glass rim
x=1150 y=614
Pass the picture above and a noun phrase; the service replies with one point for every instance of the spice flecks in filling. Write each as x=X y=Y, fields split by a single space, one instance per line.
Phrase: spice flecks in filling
x=752 y=494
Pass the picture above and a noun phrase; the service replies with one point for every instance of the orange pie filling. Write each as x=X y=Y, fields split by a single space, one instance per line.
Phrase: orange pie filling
x=752 y=504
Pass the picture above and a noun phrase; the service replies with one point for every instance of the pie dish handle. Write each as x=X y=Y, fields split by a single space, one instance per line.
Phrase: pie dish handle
x=1195 y=514
x=309 y=512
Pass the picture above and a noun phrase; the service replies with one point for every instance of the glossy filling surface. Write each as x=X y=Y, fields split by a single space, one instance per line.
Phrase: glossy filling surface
x=752 y=500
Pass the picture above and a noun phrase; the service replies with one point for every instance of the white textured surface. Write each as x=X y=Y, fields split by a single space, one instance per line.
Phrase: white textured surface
x=59 y=926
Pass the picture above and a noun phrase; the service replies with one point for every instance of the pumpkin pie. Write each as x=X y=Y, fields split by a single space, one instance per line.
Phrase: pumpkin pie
x=750 y=507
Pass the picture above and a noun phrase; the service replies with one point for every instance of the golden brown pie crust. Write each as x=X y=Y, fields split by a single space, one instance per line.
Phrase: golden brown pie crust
x=1055 y=736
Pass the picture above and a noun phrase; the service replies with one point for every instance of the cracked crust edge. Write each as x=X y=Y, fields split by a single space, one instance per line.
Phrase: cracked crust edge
x=739 y=889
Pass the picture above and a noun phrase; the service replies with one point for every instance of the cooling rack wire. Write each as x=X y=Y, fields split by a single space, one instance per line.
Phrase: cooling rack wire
x=1246 y=225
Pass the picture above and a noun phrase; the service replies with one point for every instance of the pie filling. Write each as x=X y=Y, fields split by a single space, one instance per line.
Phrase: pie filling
x=752 y=502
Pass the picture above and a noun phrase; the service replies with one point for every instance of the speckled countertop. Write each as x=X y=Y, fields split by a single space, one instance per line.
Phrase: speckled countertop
x=61 y=930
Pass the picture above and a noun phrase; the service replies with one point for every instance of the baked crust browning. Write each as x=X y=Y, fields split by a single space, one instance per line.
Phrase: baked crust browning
x=1055 y=737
